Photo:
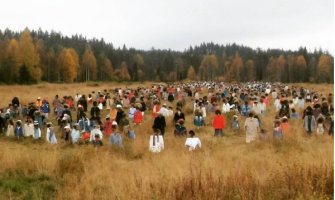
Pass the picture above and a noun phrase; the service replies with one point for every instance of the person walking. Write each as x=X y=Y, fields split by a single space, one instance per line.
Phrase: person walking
x=218 y=123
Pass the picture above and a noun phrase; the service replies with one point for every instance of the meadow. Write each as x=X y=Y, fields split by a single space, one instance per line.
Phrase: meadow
x=300 y=167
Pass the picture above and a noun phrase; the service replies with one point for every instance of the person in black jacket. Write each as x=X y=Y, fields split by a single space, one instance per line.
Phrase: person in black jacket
x=119 y=114
x=82 y=101
x=95 y=112
x=67 y=111
x=160 y=123
x=178 y=115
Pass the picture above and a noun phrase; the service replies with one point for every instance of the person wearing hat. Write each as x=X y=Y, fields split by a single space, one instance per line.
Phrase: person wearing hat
x=51 y=135
x=107 y=126
x=39 y=118
x=115 y=138
x=285 y=126
x=67 y=132
x=96 y=131
x=75 y=135
x=119 y=113
x=37 y=131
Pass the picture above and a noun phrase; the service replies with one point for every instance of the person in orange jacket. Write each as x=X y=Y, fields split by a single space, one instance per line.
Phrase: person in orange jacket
x=285 y=126
x=218 y=123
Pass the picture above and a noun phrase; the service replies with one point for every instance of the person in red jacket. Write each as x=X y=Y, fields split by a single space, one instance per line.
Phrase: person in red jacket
x=107 y=126
x=218 y=123
x=138 y=117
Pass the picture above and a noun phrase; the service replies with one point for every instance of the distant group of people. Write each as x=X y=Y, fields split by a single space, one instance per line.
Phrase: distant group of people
x=116 y=113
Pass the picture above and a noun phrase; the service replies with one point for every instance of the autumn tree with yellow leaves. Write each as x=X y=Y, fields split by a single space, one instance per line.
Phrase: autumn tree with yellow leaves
x=28 y=59
x=89 y=65
x=191 y=74
x=208 y=67
x=325 y=69
x=123 y=73
x=68 y=61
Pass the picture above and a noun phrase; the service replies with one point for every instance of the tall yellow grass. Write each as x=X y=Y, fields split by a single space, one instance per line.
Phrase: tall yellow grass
x=300 y=167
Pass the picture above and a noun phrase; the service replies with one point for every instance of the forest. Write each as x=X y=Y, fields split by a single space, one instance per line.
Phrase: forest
x=33 y=56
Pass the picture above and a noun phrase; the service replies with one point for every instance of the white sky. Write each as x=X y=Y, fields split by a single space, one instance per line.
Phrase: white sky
x=177 y=24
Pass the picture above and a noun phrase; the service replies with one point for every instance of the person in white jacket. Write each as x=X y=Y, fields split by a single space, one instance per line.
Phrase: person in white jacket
x=28 y=128
x=192 y=142
x=37 y=131
x=96 y=131
x=156 y=142
x=51 y=135
x=225 y=106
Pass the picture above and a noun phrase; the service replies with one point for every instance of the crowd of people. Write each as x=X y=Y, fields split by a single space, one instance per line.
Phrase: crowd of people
x=115 y=114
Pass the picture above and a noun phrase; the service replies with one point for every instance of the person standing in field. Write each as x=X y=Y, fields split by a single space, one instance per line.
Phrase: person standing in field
x=198 y=119
x=320 y=129
x=156 y=142
x=51 y=135
x=96 y=131
x=251 y=127
x=75 y=135
x=37 y=131
x=285 y=126
x=138 y=117
x=10 y=128
x=115 y=138
x=155 y=109
x=218 y=123
x=160 y=123
x=28 y=128
x=192 y=142
x=178 y=115
x=45 y=109
x=277 y=131
x=107 y=126
x=309 y=122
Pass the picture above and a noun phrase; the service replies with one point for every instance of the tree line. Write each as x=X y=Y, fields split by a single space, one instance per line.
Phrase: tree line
x=34 y=56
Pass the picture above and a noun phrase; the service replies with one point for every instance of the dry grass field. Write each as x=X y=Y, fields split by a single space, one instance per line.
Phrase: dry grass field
x=300 y=167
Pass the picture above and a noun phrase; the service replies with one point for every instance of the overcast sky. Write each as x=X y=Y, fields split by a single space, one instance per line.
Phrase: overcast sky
x=177 y=24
